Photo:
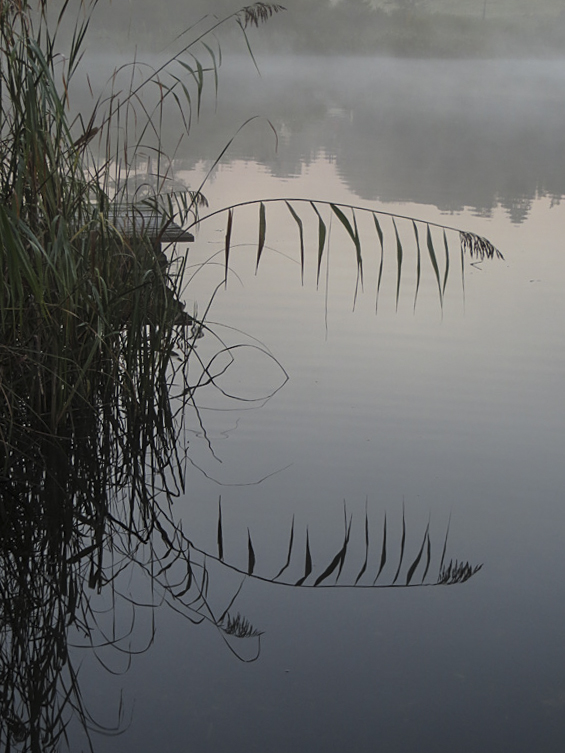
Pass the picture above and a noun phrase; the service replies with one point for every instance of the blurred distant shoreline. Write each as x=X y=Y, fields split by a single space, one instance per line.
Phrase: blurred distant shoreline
x=350 y=27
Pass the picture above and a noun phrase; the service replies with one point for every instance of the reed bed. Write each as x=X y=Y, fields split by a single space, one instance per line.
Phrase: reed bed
x=95 y=358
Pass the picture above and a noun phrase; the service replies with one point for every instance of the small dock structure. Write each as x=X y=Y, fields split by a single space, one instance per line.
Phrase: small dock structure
x=143 y=221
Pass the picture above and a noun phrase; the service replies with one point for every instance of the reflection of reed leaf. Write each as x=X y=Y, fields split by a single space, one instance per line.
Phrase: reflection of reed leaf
x=339 y=559
x=457 y=572
x=251 y=553
x=402 y=546
x=410 y=565
x=262 y=233
x=228 y=242
x=289 y=555
x=220 y=533
x=383 y=552
x=240 y=627
x=364 y=566
x=416 y=562
x=307 y=562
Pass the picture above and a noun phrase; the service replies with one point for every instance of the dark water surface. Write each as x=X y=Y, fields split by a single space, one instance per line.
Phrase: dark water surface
x=440 y=416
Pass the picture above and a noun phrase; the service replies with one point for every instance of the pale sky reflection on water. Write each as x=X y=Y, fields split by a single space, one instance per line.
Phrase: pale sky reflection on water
x=450 y=414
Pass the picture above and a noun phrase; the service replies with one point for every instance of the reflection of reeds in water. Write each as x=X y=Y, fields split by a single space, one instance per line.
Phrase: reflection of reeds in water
x=95 y=352
x=384 y=565
x=93 y=338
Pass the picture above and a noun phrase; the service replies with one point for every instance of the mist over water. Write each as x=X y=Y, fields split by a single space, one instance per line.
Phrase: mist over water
x=456 y=134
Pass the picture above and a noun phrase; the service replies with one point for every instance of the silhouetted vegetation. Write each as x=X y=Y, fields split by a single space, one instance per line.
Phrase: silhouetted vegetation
x=98 y=366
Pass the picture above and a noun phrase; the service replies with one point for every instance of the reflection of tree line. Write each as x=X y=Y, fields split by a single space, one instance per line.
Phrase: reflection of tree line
x=399 y=132
x=392 y=27
x=453 y=134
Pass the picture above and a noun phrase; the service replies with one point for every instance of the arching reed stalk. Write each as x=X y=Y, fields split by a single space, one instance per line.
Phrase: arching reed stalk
x=93 y=341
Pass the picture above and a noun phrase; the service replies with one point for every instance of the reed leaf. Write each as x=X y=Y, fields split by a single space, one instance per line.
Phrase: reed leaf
x=418 y=262
x=399 y=258
x=402 y=547
x=383 y=552
x=307 y=562
x=220 y=533
x=366 y=560
x=289 y=555
x=262 y=232
x=227 y=244
x=414 y=565
x=251 y=555
x=353 y=232
x=380 y=275
x=470 y=243
x=321 y=240
x=300 y=225
x=337 y=560
x=433 y=259
x=428 y=559
x=446 y=273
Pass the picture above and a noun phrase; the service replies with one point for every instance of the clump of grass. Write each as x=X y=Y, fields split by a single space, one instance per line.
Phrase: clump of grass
x=87 y=315
x=93 y=338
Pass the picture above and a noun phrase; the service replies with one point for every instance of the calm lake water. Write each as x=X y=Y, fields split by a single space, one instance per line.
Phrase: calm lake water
x=439 y=415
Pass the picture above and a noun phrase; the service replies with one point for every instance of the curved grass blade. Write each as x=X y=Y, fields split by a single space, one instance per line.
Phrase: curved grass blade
x=338 y=559
x=380 y=277
x=322 y=231
x=251 y=555
x=301 y=235
x=346 y=540
x=428 y=559
x=228 y=243
x=462 y=253
x=198 y=76
x=433 y=259
x=418 y=262
x=399 y=257
x=353 y=232
x=416 y=562
x=215 y=66
x=290 y=543
x=383 y=552
x=364 y=567
x=446 y=275
x=220 y=533
x=307 y=563
x=402 y=545
x=262 y=232
x=445 y=545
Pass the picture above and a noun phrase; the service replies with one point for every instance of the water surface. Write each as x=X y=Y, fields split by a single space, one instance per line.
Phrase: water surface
x=439 y=414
